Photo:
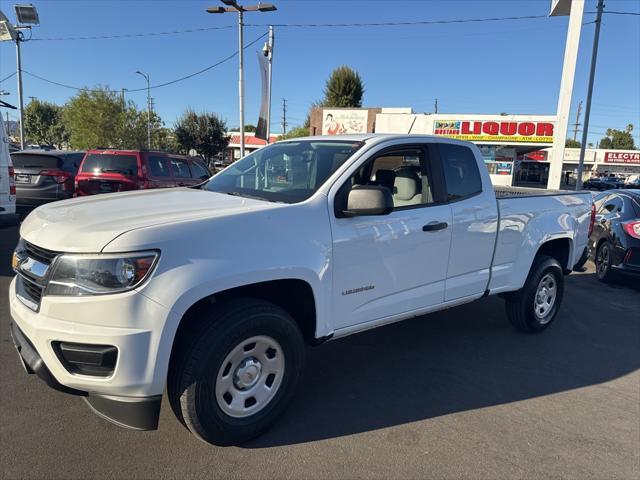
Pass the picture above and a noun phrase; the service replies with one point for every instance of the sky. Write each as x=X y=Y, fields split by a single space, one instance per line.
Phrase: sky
x=509 y=66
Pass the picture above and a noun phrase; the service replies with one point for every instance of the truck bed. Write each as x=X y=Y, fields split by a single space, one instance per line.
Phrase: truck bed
x=503 y=192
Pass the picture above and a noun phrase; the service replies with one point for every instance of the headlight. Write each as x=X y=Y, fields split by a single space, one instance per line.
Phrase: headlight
x=78 y=275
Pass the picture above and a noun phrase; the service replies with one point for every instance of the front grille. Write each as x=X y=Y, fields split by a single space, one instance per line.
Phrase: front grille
x=28 y=288
x=40 y=254
x=29 y=291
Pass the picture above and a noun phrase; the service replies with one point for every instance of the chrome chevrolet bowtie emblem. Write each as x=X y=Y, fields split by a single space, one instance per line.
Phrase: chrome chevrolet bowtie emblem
x=33 y=267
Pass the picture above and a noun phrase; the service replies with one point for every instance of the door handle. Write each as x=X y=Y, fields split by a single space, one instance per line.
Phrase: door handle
x=434 y=226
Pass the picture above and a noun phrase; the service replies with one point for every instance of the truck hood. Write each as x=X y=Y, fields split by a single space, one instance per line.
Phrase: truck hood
x=88 y=224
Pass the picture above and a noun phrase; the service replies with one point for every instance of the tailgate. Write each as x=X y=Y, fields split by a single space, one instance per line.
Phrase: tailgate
x=104 y=184
x=107 y=172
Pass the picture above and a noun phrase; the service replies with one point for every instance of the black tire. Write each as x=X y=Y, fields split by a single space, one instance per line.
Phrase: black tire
x=192 y=379
x=583 y=259
x=521 y=305
x=604 y=271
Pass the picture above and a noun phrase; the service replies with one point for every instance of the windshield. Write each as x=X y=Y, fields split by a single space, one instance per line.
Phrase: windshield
x=287 y=172
x=107 y=163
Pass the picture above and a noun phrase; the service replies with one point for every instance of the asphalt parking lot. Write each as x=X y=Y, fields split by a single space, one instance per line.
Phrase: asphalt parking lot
x=457 y=394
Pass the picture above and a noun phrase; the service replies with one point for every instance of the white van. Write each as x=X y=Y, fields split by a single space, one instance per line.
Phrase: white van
x=7 y=179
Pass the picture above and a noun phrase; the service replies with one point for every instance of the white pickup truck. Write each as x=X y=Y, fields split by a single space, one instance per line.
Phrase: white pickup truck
x=212 y=291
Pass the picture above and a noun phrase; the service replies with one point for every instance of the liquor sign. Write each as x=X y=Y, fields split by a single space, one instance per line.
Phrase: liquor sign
x=493 y=131
x=622 y=157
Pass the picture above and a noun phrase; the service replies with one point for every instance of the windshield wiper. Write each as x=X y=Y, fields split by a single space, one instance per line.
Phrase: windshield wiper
x=114 y=170
x=246 y=195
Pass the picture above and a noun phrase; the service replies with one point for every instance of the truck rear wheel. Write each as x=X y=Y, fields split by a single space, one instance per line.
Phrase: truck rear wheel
x=240 y=373
x=533 y=307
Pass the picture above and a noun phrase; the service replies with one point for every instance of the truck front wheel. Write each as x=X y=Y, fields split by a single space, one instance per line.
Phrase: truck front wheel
x=536 y=304
x=239 y=375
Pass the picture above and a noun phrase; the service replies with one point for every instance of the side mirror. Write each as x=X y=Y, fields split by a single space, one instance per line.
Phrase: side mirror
x=369 y=200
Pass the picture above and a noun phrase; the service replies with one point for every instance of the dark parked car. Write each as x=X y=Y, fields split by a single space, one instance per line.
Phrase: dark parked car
x=44 y=176
x=104 y=171
x=604 y=183
x=614 y=244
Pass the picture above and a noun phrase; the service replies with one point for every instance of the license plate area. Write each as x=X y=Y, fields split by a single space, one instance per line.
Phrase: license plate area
x=23 y=178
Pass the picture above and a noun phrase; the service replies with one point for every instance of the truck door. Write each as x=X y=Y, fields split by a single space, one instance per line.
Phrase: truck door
x=475 y=217
x=392 y=264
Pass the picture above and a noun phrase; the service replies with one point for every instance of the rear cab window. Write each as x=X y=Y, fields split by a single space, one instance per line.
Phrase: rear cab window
x=123 y=164
x=461 y=174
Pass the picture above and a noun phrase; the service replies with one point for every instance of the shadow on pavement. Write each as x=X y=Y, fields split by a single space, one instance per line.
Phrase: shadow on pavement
x=462 y=359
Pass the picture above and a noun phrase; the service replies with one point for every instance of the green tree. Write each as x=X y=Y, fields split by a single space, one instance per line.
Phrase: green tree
x=343 y=89
x=571 y=143
x=94 y=118
x=295 y=133
x=204 y=132
x=44 y=125
x=133 y=130
x=618 y=139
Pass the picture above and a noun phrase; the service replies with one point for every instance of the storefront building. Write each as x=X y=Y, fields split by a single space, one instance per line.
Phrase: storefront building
x=516 y=148
x=251 y=144
x=502 y=139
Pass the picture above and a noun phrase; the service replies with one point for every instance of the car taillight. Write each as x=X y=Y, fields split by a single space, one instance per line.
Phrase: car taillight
x=59 y=176
x=632 y=228
x=593 y=218
x=12 y=181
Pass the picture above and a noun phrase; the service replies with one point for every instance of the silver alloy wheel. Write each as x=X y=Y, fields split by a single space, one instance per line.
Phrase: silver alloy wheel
x=545 y=297
x=250 y=376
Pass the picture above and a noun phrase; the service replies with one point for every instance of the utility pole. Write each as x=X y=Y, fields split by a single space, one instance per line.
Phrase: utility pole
x=284 y=116
x=577 y=124
x=270 y=58
x=148 y=108
x=436 y=105
x=124 y=104
x=234 y=7
x=592 y=74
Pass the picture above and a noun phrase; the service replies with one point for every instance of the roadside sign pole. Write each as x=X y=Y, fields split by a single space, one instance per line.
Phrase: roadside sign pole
x=587 y=110
x=564 y=96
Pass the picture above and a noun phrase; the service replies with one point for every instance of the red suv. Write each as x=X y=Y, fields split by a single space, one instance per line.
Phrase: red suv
x=105 y=171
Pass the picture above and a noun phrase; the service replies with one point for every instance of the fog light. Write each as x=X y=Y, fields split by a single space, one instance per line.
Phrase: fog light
x=83 y=359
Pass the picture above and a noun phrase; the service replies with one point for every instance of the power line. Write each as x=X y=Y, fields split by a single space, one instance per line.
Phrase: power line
x=618 y=13
x=395 y=24
x=8 y=77
x=134 y=35
x=171 y=82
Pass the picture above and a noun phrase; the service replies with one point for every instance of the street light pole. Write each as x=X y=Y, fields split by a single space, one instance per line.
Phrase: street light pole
x=146 y=77
x=587 y=110
x=234 y=7
x=20 y=96
x=270 y=58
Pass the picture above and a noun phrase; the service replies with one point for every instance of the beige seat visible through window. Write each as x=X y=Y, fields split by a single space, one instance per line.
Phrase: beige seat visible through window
x=407 y=188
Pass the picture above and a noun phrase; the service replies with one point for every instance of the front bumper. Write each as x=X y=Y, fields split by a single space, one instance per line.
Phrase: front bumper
x=131 y=395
